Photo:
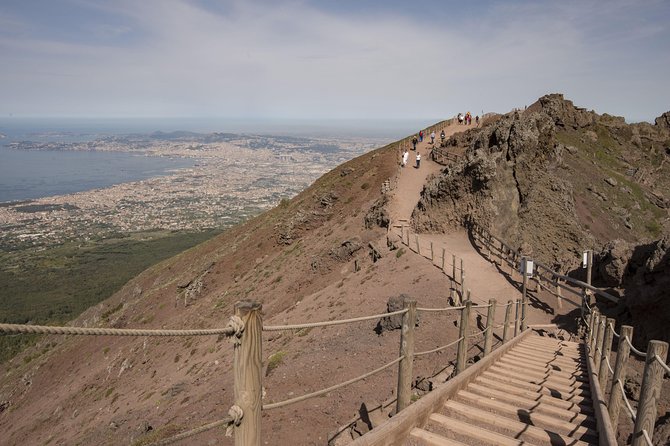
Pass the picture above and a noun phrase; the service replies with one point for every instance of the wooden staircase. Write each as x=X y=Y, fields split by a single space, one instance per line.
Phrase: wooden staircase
x=536 y=393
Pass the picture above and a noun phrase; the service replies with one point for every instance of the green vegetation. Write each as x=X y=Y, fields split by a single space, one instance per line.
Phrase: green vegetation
x=56 y=284
x=274 y=361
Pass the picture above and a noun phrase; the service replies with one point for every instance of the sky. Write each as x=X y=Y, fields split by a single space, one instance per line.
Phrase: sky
x=338 y=59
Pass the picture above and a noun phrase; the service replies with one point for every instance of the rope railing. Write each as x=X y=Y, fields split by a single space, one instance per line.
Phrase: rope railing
x=444 y=347
x=438 y=310
x=234 y=327
x=330 y=389
x=330 y=323
x=633 y=349
x=234 y=419
x=631 y=411
x=663 y=364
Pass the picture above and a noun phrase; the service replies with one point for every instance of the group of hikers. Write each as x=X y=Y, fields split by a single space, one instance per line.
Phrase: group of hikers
x=467 y=119
x=417 y=139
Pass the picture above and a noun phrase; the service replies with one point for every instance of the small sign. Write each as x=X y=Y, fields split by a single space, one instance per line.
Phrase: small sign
x=526 y=267
x=585 y=259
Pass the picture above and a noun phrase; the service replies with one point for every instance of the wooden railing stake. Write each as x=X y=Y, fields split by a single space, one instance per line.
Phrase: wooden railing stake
x=247 y=364
x=620 y=369
x=600 y=334
x=524 y=296
x=406 y=350
x=508 y=314
x=490 y=319
x=650 y=392
x=463 y=332
x=603 y=373
x=444 y=253
x=517 y=317
x=418 y=246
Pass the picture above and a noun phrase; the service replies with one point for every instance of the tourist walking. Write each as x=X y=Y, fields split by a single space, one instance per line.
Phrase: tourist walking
x=405 y=157
x=414 y=141
x=442 y=136
x=432 y=137
x=418 y=160
x=420 y=135
x=477 y=120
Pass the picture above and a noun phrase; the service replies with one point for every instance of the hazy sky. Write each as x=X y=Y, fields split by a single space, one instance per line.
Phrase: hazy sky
x=330 y=59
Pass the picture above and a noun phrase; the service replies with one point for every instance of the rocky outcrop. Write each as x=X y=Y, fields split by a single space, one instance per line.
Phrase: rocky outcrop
x=663 y=120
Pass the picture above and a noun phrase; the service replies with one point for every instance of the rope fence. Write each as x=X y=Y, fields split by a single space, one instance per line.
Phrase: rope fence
x=330 y=323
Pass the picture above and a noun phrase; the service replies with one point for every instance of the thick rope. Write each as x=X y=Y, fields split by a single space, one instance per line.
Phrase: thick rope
x=435 y=310
x=665 y=366
x=427 y=352
x=609 y=366
x=328 y=323
x=477 y=334
x=234 y=419
x=631 y=411
x=330 y=389
x=234 y=328
x=634 y=350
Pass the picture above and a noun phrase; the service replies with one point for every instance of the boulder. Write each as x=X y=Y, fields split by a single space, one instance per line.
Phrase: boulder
x=389 y=323
x=663 y=120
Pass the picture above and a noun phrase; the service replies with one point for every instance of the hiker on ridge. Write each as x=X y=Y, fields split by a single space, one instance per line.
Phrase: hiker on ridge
x=442 y=136
x=405 y=157
x=418 y=160
x=432 y=137
x=414 y=141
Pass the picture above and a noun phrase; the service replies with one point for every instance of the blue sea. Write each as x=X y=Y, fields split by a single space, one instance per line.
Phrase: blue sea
x=26 y=175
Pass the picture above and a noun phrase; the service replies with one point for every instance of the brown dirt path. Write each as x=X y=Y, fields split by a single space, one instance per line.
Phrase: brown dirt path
x=482 y=278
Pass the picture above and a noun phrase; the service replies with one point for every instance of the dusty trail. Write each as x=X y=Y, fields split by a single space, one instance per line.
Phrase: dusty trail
x=482 y=278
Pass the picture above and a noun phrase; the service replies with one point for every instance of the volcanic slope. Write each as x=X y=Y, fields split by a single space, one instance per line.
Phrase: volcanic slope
x=299 y=261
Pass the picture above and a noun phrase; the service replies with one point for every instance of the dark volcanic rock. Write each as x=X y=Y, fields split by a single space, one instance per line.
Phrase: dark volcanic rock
x=663 y=120
x=389 y=323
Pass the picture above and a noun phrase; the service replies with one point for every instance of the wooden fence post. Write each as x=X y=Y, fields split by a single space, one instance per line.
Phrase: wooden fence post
x=463 y=330
x=508 y=314
x=620 y=369
x=650 y=391
x=444 y=253
x=517 y=317
x=524 y=297
x=453 y=267
x=462 y=279
x=247 y=364
x=594 y=330
x=559 y=296
x=600 y=333
x=418 y=246
x=589 y=335
x=490 y=319
x=402 y=233
x=432 y=253
x=406 y=350
x=606 y=349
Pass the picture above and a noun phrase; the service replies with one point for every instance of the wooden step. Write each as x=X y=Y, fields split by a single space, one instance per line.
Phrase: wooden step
x=558 y=354
x=542 y=373
x=476 y=434
x=551 y=341
x=528 y=404
x=514 y=428
x=543 y=367
x=568 y=363
x=424 y=437
x=537 y=379
x=573 y=429
x=559 y=391
x=576 y=403
x=552 y=344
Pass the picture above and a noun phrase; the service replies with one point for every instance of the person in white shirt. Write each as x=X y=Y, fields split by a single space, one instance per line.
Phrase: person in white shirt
x=418 y=160
x=405 y=157
x=432 y=137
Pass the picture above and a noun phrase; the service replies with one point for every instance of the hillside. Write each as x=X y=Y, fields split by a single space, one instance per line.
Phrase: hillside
x=540 y=179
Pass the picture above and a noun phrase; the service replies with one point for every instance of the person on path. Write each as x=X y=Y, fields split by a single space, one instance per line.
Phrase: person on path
x=460 y=118
x=418 y=160
x=442 y=136
x=432 y=137
x=414 y=141
x=477 y=120
x=420 y=135
x=405 y=157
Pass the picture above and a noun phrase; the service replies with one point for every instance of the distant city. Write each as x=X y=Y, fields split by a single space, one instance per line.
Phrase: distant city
x=232 y=178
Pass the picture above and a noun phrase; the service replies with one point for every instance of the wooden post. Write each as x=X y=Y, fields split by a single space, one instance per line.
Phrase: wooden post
x=594 y=330
x=559 y=295
x=589 y=265
x=524 y=297
x=650 y=392
x=490 y=319
x=444 y=253
x=463 y=332
x=606 y=349
x=620 y=369
x=453 y=267
x=600 y=334
x=408 y=237
x=402 y=233
x=517 y=317
x=418 y=246
x=406 y=350
x=247 y=364
x=589 y=335
x=432 y=253
x=462 y=279
x=508 y=315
